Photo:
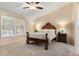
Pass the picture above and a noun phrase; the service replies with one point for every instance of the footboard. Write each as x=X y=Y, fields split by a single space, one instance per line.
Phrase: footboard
x=45 y=41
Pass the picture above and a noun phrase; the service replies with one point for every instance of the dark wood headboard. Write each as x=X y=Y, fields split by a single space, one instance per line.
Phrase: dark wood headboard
x=49 y=26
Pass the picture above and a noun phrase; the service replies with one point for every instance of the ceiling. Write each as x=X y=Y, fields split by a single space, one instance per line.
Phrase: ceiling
x=16 y=7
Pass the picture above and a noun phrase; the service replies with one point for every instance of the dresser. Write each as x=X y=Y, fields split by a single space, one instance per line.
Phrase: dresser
x=62 y=37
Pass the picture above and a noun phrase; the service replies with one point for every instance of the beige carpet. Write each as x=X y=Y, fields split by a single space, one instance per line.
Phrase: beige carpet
x=20 y=48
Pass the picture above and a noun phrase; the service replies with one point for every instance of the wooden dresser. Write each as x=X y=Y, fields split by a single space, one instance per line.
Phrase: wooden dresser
x=62 y=38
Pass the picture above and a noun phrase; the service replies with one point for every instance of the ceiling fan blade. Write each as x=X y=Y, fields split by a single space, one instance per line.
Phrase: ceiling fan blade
x=37 y=2
x=27 y=2
x=39 y=7
x=25 y=7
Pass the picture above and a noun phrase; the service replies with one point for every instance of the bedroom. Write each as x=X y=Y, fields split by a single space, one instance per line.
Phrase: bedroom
x=16 y=21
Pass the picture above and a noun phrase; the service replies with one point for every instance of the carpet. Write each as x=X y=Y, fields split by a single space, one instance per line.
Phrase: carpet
x=20 y=48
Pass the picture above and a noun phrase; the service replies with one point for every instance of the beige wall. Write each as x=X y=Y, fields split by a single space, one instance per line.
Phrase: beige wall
x=29 y=25
x=0 y=27
x=62 y=15
x=76 y=17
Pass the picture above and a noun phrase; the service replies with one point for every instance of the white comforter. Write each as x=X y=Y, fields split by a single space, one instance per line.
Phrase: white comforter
x=42 y=35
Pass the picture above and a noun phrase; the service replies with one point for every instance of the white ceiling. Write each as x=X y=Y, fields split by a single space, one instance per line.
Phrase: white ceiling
x=16 y=7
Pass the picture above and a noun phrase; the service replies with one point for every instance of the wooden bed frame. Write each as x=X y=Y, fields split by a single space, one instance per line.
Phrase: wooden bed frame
x=45 y=41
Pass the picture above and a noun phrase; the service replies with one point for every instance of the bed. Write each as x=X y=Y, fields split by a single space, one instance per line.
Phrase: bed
x=44 y=36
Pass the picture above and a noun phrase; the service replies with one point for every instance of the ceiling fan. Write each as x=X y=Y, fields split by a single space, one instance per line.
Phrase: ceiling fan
x=32 y=5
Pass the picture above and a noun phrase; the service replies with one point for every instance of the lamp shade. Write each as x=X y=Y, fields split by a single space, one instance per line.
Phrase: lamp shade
x=62 y=30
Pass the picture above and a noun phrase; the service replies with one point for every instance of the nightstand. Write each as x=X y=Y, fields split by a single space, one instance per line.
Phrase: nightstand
x=62 y=37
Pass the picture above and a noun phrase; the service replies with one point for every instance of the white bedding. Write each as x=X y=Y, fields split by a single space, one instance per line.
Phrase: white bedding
x=42 y=34
x=37 y=35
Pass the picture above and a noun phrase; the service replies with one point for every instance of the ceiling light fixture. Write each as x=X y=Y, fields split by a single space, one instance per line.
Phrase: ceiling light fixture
x=32 y=5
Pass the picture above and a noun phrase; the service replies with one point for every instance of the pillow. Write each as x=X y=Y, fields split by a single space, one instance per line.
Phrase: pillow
x=48 y=30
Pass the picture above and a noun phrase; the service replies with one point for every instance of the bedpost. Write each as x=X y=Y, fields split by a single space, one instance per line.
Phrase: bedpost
x=27 y=36
x=46 y=44
x=55 y=31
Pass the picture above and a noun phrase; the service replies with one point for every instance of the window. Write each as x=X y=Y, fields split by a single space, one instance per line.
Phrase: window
x=19 y=27
x=11 y=26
